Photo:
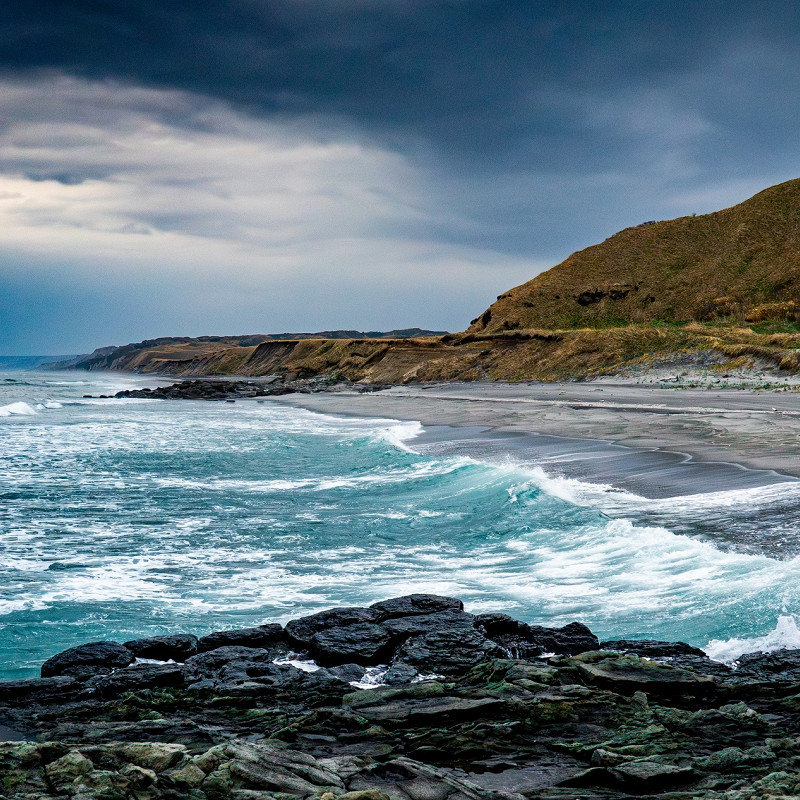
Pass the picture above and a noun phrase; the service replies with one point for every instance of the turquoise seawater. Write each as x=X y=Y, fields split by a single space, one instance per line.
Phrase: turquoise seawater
x=127 y=518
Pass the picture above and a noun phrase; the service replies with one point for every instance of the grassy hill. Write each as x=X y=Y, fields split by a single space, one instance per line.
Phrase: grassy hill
x=736 y=266
x=719 y=289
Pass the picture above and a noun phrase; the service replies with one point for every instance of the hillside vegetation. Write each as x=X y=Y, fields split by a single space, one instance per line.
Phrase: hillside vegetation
x=545 y=355
x=737 y=266
x=719 y=289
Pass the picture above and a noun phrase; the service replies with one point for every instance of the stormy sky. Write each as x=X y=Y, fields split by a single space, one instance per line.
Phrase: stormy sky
x=241 y=166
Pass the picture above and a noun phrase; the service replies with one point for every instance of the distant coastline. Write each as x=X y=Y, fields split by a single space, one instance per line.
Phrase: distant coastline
x=31 y=362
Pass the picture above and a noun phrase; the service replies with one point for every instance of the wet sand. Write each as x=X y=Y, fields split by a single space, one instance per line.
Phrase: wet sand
x=649 y=440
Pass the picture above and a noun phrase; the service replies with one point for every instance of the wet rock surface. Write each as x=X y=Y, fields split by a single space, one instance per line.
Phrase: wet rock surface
x=87 y=659
x=411 y=699
x=261 y=636
x=232 y=390
x=164 y=648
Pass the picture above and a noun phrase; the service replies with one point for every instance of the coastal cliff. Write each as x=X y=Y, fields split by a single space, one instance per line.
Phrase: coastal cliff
x=720 y=290
x=547 y=355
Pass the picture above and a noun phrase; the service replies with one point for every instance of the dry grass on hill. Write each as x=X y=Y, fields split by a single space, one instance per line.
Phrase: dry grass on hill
x=546 y=355
x=737 y=266
x=714 y=287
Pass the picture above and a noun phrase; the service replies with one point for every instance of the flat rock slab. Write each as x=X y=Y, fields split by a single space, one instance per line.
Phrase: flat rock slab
x=650 y=648
x=432 y=712
x=413 y=604
x=650 y=775
x=629 y=674
x=177 y=647
x=262 y=636
x=40 y=690
x=135 y=677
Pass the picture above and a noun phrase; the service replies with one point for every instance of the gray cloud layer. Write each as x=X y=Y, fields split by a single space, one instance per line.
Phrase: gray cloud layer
x=259 y=165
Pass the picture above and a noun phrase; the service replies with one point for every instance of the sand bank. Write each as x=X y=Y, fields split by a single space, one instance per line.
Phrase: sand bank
x=650 y=440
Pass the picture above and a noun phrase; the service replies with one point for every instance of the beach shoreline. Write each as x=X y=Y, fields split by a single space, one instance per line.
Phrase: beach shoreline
x=646 y=439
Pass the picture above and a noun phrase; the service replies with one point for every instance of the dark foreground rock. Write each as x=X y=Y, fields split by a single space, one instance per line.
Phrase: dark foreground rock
x=411 y=699
x=88 y=659
x=232 y=390
x=164 y=648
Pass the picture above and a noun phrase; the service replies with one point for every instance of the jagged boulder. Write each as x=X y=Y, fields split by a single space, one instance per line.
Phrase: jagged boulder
x=230 y=664
x=301 y=631
x=569 y=640
x=449 y=651
x=363 y=643
x=515 y=637
x=177 y=647
x=401 y=628
x=87 y=659
x=521 y=640
x=782 y=665
x=263 y=636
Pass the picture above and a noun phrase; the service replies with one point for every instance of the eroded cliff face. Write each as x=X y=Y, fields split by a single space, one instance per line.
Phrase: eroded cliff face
x=683 y=286
x=546 y=355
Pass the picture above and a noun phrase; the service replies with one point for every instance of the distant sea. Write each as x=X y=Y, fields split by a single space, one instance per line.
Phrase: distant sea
x=127 y=518
x=28 y=362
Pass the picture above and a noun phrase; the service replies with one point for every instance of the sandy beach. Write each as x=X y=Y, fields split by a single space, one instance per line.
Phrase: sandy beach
x=652 y=441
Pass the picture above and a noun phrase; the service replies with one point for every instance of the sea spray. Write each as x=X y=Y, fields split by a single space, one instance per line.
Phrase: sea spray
x=125 y=518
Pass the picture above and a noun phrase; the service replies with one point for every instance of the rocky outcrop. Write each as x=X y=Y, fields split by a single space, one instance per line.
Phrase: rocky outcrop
x=418 y=700
x=261 y=636
x=238 y=390
x=88 y=659
x=164 y=648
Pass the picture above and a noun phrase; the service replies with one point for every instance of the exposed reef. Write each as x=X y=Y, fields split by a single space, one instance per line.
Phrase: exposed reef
x=209 y=389
x=409 y=699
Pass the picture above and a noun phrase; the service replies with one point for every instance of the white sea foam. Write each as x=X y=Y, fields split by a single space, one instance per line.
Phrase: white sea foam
x=785 y=636
x=376 y=477
x=372 y=677
x=401 y=434
x=302 y=665
x=617 y=502
x=731 y=499
x=113 y=401
x=22 y=604
x=293 y=420
x=17 y=409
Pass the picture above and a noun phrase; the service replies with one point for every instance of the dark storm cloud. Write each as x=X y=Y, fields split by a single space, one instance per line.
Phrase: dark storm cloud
x=331 y=149
x=470 y=77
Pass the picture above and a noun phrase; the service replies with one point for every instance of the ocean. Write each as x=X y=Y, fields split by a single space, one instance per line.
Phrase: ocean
x=122 y=518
